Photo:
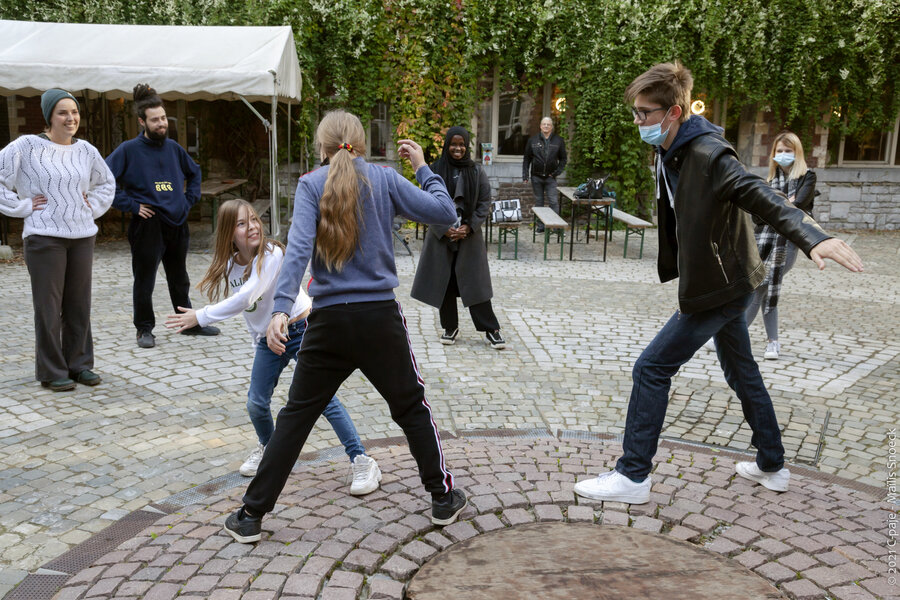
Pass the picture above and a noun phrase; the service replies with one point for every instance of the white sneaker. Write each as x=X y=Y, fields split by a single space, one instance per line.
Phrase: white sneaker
x=772 y=349
x=366 y=475
x=615 y=487
x=248 y=469
x=776 y=481
x=448 y=338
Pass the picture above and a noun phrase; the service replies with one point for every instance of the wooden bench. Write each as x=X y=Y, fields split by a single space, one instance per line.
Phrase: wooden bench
x=551 y=221
x=632 y=225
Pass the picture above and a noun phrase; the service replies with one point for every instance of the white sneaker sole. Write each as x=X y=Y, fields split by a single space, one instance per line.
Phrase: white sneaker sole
x=248 y=539
x=369 y=488
x=248 y=472
x=626 y=498
x=768 y=356
x=763 y=481
x=448 y=342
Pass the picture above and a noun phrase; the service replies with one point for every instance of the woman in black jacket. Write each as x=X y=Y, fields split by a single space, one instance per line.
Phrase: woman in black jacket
x=454 y=260
x=789 y=174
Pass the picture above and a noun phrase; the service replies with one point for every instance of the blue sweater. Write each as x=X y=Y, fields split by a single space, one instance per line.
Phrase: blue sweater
x=370 y=274
x=155 y=173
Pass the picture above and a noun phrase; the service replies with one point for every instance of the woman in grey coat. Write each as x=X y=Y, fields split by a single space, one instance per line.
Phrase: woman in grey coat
x=454 y=260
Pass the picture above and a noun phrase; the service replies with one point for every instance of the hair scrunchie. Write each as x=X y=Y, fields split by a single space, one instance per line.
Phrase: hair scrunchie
x=346 y=146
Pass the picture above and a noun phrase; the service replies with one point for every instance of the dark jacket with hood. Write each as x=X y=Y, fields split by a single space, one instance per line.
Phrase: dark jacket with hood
x=158 y=173
x=707 y=239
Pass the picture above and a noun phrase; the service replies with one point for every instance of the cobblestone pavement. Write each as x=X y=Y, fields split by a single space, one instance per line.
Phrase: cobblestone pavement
x=171 y=418
x=818 y=540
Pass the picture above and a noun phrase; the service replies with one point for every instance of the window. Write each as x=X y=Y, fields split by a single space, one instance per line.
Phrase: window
x=380 y=131
x=520 y=116
x=509 y=117
x=872 y=147
x=193 y=138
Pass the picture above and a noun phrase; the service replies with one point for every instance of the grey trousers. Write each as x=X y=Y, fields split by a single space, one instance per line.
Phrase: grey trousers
x=60 y=271
x=770 y=319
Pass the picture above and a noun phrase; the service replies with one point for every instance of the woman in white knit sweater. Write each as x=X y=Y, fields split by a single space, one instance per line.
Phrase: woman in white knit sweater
x=59 y=185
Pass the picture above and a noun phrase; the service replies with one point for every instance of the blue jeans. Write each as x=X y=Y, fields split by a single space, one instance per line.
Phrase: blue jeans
x=267 y=367
x=673 y=346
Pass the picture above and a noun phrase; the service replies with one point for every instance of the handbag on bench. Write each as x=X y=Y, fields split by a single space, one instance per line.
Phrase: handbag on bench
x=506 y=211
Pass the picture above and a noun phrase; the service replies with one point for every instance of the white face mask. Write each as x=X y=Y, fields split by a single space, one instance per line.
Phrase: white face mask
x=653 y=134
x=784 y=159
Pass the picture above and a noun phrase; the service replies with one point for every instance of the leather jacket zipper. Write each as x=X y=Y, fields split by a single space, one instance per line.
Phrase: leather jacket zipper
x=715 y=247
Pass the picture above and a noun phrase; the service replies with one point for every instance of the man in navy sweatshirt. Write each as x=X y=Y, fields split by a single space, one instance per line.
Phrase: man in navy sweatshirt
x=158 y=183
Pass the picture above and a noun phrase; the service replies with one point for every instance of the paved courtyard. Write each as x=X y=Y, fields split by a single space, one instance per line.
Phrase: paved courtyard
x=171 y=418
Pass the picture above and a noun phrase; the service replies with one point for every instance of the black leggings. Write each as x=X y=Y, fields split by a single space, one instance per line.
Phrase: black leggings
x=371 y=337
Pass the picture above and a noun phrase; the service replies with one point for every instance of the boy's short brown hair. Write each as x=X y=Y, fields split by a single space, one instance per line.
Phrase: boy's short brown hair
x=667 y=84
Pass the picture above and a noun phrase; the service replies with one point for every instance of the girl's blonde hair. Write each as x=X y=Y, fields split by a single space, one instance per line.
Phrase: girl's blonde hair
x=215 y=282
x=799 y=168
x=341 y=138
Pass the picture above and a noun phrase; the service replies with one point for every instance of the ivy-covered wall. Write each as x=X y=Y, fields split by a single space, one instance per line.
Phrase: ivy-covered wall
x=810 y=61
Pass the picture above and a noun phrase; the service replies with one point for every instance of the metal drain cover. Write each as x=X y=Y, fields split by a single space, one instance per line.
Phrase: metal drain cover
x=570 y=561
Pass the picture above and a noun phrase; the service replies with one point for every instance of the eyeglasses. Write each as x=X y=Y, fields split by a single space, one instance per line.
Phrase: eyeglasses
x=641 y=115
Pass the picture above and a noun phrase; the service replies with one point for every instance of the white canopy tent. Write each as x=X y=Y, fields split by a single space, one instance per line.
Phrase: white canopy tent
x=180 y=62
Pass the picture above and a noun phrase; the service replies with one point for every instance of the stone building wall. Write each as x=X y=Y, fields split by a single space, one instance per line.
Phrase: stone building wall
x=858 y=198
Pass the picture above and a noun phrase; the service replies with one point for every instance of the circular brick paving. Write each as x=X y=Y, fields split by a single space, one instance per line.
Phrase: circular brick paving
x=822 y=537
x=565 y=561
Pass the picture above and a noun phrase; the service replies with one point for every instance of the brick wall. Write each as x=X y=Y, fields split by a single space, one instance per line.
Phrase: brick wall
x=757 y=132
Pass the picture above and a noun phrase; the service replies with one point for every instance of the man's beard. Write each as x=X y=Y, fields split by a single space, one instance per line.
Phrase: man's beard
x=156 y=136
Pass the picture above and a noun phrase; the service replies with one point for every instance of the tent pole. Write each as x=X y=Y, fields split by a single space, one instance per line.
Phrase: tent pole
x=274 y=220
x=290 y=195
x=266 y=123
x=274 y=213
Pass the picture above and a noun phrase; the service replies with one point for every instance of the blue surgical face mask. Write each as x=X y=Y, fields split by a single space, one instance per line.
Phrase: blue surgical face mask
x=784 y=159
x=653 y=134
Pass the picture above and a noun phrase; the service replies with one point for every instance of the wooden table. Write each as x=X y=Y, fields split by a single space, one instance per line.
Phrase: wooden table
x=592 y=203
x=213 y=188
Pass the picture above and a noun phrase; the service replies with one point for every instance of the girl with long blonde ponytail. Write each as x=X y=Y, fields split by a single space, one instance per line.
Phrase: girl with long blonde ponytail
x=244 y=269
x=341 y=137
x=343 y=229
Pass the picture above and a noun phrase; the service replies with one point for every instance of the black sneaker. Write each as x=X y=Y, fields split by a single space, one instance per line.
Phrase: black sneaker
x=242 y=527
x=145 y=339
x=495 y=339
x=449 y=337
x=86 y=377
x=59 y=385
x=209 y=330
x=539 y=228
x=447 y=509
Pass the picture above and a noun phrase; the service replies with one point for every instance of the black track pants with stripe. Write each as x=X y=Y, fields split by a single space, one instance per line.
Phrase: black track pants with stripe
x=371 y=337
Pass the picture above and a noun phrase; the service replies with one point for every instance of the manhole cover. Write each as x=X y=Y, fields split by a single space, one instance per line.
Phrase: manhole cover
x=571 y=561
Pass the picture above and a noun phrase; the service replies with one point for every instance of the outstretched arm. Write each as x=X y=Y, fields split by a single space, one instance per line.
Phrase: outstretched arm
x=838 y=251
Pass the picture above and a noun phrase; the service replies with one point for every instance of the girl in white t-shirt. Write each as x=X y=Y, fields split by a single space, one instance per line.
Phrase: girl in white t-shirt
x=244 y=270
